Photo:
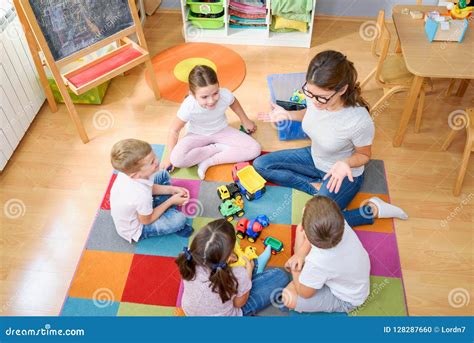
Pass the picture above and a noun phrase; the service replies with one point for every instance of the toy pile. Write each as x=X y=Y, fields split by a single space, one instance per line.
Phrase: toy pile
x=247 y=14
x=248 y=183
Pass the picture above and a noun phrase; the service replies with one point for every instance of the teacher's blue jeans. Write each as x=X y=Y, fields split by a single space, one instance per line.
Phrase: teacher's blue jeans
x=295 y=168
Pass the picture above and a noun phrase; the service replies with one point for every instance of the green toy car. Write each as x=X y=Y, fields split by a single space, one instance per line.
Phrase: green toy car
x=275 y=244
x=232 y=207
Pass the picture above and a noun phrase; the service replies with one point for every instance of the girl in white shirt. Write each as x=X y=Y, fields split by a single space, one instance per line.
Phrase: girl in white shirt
x=209 y=140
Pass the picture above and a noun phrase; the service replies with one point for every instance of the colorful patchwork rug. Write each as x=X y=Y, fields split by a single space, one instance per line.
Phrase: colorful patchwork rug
x=116 y=278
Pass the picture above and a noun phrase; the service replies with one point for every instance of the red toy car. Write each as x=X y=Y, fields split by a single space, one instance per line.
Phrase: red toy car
x=241 y=227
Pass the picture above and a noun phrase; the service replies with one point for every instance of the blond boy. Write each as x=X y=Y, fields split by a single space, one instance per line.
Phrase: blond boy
x=142 y=200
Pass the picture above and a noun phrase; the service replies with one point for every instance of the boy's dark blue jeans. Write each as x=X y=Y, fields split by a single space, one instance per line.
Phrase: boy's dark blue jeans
x=295 y=168
x=266 y=289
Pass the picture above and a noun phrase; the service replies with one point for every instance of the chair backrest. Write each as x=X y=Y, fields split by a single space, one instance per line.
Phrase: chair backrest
x=374 y=49
x=384 y=47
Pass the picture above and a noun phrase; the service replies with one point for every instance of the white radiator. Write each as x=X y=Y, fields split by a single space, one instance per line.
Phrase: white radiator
x=21 y=94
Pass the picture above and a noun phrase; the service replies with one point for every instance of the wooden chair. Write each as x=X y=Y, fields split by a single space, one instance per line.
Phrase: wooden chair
x=374 y=48
x=392 y=75
x=468 y=148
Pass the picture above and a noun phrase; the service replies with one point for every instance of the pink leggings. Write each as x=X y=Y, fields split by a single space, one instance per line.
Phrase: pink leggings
x=193 y=149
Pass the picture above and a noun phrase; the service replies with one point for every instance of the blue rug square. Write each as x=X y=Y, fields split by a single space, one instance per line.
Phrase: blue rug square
x=87 y=307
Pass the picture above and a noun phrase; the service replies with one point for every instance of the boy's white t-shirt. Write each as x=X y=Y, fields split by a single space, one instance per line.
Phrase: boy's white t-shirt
x=202 y=121
x=345 y=269
x=335 y=135
x=128 y=198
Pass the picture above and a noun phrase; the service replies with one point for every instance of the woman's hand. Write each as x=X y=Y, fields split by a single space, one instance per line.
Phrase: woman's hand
x=249 y=126
x=338 y=172
x=276 y=114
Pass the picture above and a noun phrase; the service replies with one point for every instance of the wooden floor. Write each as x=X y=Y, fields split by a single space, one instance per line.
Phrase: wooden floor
x=60 y=181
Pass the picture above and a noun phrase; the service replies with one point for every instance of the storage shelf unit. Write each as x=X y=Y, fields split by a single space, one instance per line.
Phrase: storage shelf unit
x=228 y=35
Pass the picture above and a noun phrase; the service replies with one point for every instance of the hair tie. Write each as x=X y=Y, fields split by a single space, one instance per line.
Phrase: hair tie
x=187 y=254
x=220 y=265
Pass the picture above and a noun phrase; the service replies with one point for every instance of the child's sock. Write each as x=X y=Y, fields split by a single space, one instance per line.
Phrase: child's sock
x=263 y=259
x=386 y=210
x=186 y=231
x=203 y=166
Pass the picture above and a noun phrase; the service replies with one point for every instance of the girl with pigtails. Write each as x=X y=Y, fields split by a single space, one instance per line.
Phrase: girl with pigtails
x=213 y=288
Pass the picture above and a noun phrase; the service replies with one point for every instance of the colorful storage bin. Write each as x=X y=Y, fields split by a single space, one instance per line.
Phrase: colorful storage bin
x=203 y=7
x=206 y=23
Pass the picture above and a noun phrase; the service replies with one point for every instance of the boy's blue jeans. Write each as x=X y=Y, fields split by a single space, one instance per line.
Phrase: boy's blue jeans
x=266 y=289
x=171 y=220
x=295 y=168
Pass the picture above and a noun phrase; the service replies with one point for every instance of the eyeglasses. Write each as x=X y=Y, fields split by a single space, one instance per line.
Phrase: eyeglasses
x=319 y=98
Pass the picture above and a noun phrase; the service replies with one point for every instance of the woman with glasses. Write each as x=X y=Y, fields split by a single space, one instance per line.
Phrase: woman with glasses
x=341 y=130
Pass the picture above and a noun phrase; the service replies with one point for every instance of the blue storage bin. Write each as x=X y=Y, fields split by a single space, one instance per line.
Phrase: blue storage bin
x=281 y=88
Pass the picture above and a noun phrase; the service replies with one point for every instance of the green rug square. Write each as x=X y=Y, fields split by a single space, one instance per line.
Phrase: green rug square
x=129 y=309
x=386 y=298
x=185 y=173
x=299 y=200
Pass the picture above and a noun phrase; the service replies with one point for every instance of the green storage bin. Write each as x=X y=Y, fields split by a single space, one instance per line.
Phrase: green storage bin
x=93 y=96
x=206 y=23
x=205 y=7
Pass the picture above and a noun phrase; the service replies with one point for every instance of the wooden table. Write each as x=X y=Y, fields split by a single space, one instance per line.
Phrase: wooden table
x=447 y=60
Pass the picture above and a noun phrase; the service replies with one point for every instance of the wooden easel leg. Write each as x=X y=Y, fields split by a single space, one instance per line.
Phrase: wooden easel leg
x=34 y=49
x=154 y=83
x=73 y=113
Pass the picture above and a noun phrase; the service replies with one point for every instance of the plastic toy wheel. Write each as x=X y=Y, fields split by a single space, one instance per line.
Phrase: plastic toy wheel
x=230 y=218
x=249 y=197
x=264 y=189
x=238 y=196
x=240 y=214
x=239 y=235
x=251 y=240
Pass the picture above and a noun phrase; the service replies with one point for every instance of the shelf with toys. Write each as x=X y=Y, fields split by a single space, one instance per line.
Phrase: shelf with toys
x=238 y=22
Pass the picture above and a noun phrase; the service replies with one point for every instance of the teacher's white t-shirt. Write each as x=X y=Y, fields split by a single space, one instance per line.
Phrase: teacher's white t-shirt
x=202 y=121
x=334 y=135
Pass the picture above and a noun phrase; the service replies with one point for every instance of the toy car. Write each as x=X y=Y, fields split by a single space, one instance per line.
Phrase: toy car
x=298 y=97
x=275 y=244
x=228 y=191
x=251 y=228
x=232 y=207
x=251 y=183
x=236 y=168
x=241 y=227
